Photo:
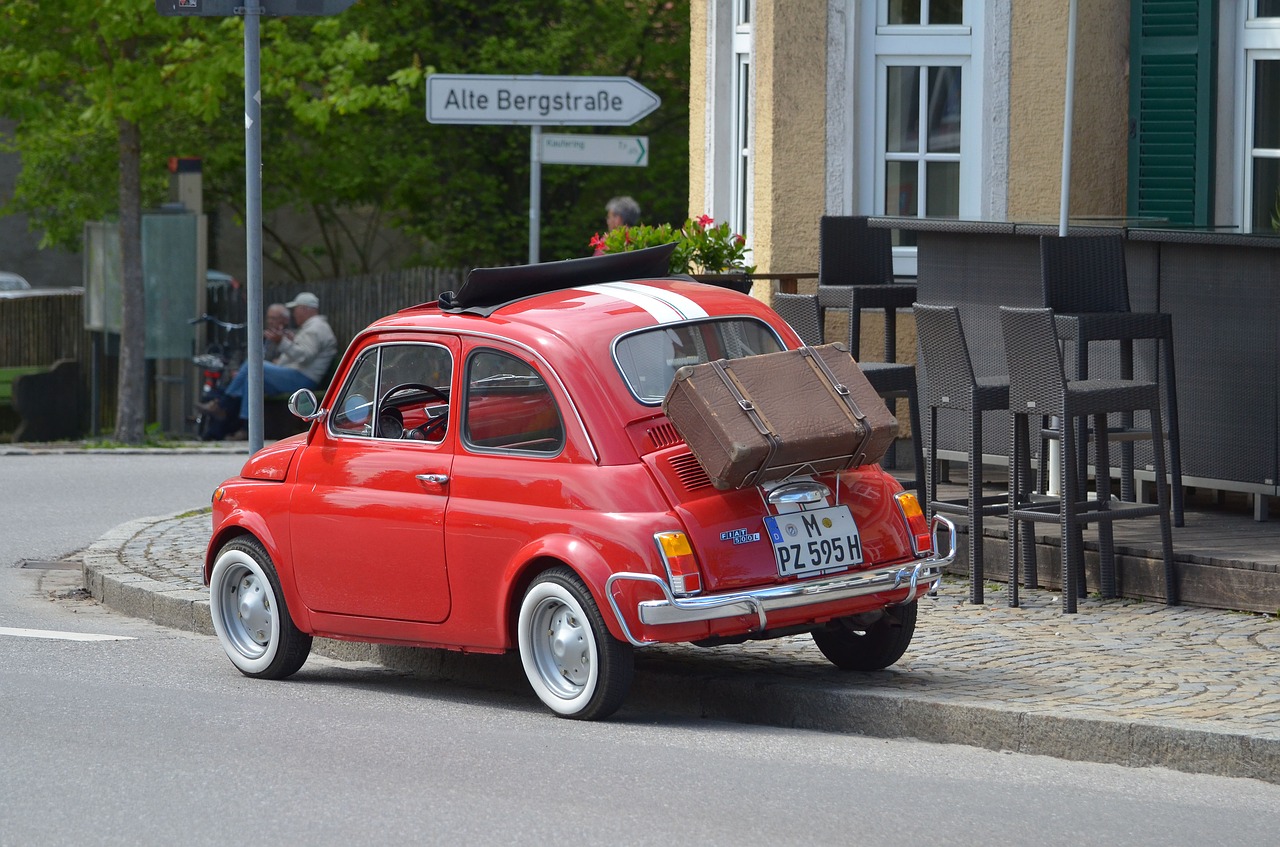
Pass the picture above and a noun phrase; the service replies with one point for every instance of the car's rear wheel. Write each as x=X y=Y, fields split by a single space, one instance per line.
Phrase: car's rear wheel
x=575 y=666
x=853 y=646
x=250 y=615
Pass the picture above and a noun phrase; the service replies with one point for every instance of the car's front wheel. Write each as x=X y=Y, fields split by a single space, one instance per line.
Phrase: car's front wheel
x=250 y=615
x=855 y=646
x=575 y=666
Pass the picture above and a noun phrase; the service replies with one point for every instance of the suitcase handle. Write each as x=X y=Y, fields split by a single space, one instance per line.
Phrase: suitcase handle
x=740 y=397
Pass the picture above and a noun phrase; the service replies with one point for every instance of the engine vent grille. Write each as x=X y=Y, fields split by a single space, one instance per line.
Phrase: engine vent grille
x=663 y=436
x=691 y=474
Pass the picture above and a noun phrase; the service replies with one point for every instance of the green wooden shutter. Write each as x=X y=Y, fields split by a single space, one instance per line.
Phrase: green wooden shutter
x=1171 y=86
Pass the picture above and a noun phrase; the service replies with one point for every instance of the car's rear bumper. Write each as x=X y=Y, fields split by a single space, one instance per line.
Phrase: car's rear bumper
x=918 y=577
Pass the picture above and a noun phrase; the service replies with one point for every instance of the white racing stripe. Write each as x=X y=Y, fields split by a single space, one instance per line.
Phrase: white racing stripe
x=662 y=306
x=61 y=636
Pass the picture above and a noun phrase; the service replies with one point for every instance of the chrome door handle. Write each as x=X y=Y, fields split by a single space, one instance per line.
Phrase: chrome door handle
x=433 y=478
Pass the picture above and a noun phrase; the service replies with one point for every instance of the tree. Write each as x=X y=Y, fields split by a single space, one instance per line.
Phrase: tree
x=93 y=84
x=105 y=92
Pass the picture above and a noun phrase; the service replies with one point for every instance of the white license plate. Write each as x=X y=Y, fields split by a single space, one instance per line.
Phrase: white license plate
x=815 y=542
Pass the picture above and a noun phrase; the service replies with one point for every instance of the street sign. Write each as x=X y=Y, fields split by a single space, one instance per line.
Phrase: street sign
x=580 y=149
x=537 y=100
x=235 y=8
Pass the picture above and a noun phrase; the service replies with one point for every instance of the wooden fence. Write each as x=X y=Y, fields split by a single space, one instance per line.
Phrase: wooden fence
x=40 y=329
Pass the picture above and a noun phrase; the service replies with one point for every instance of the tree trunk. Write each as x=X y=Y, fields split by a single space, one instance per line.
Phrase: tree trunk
x=132 y=396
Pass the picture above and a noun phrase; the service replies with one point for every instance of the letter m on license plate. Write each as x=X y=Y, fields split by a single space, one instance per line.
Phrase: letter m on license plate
x=814 y=542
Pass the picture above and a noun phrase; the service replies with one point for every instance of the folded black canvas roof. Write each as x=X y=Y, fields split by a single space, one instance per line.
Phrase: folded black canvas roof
x=485 y=289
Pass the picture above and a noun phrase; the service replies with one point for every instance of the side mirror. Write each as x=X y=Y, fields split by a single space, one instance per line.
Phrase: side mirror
x=304 y=404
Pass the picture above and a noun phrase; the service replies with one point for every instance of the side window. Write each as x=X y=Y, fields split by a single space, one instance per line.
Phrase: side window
x=353 y=413
x=509 y=407
x=398 y=391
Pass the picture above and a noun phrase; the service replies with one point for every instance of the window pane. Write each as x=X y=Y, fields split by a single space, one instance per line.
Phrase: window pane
x=649 y=359
x=902 y=125
x=509 y=407
x=904 y=11
x=1266 y=105
x=900 y=190
x=353 y=413
x=944 y=110
x=1269 y=8
x=1266 y=195
x=942 y=181
x=946 y=11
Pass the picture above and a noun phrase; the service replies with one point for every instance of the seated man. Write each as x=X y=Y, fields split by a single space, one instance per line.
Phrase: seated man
x=302 y=359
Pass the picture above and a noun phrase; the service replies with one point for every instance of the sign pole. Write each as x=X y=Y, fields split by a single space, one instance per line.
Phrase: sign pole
x=535 y=191
x=253 y=219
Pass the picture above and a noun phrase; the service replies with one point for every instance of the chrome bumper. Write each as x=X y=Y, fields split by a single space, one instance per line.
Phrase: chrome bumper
x=919 y=576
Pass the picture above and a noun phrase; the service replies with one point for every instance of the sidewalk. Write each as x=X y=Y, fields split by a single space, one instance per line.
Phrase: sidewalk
x=1122 y=682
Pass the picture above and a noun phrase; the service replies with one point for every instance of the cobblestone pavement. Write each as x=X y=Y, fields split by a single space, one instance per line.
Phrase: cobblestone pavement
x=1127 y=682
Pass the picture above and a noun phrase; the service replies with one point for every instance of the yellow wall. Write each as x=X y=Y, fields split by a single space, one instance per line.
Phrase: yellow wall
x=1036 y=100
x=790 y=138
x=698 y=49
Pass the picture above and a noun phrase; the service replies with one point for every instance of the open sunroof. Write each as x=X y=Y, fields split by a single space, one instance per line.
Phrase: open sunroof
x=485 y=289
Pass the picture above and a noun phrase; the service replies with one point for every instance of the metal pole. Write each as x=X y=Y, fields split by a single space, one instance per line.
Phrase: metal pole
x=535 y=191
x=1068 y=110
x=253 y=220
x=1067 y=120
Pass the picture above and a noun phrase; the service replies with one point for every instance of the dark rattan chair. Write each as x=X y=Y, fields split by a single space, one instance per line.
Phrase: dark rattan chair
x=950 y=386
x=855 y=272
x=890 y=379
x=1038 y=386
x=1086 y=285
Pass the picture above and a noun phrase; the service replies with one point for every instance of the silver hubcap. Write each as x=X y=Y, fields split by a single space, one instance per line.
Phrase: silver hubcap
x=562 y=645
x=248 y=612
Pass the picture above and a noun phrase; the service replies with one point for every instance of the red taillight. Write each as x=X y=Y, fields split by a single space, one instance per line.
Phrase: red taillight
x=682 y=567
x=921 y=537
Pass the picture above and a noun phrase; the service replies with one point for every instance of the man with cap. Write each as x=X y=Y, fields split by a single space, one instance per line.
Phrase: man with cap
x=302 y=360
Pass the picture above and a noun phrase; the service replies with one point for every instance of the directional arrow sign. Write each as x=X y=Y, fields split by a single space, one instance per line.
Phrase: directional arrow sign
x=537 y=100
x=625 y=150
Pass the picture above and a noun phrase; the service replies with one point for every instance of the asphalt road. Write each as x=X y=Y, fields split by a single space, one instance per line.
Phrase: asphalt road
x=155 y=739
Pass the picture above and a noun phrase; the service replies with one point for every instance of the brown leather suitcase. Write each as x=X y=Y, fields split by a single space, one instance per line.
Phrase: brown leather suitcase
x=763 y=418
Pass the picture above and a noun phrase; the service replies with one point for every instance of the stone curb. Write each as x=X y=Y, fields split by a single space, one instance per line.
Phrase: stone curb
x=746 y=696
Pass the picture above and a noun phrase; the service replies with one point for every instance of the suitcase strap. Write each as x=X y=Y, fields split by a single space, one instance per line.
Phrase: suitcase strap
x=841 y=390
x=749 y=409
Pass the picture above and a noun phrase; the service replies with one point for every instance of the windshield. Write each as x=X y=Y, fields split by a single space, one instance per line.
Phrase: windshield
x=648 y=359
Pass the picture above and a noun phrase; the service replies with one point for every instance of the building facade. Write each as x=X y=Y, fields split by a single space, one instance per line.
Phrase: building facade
x=956 y=108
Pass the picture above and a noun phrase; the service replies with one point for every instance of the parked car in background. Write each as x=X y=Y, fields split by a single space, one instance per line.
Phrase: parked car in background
x=13 y=282
x=495 y=472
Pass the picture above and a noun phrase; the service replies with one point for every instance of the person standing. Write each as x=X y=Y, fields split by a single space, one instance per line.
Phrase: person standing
x=621 y=211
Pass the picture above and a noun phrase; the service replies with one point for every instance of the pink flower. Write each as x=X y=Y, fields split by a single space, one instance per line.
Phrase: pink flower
x=705 y=221
x=597 y=240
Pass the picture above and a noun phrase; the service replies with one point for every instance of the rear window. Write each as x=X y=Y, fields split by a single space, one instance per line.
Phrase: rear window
x=648 y=359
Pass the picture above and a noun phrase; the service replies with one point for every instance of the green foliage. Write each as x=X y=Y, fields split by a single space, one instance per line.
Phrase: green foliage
x=702 y=246
x=346 y=145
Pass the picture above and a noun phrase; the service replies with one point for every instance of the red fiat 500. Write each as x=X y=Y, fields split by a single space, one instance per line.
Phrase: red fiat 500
x=494 y=471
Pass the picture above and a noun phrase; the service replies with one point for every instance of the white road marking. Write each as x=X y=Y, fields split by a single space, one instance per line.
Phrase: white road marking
x=61 y=636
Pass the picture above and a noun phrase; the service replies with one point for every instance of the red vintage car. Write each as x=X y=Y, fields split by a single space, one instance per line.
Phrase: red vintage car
x=494 y=471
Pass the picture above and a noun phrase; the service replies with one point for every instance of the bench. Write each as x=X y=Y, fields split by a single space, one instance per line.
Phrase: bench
x=46 y=399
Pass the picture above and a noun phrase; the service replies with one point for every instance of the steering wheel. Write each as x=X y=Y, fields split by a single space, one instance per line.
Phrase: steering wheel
x=427 y=429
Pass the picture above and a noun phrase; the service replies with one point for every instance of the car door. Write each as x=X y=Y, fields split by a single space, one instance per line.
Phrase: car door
x=367 y=527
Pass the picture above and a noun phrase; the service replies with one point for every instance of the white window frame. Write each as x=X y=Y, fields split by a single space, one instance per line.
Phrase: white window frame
x=879 y=46
x=729 y=182
x=1259 y=40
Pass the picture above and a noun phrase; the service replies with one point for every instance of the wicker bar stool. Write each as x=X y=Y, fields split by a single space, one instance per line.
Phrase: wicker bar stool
x=890 y=379
x=950 y=385
x=855 y=272
x=1038 y=385
x=1085 y=283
